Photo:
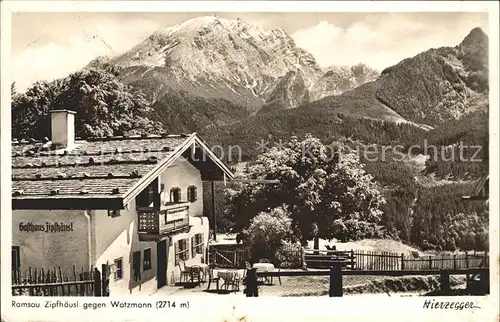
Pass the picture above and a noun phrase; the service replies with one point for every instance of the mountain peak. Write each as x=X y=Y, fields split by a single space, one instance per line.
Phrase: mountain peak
x=476 y=37
x=199 y=24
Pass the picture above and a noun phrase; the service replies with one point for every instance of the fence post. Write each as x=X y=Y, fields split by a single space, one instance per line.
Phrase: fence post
x=430 y=262
x=302 y=257
x=484 y=282
x=251 y=282
x=466 y=259
x=335 y=281
x=454 y=261
x=445 y=282
x=352 y=260
x=97 y=282
x=402 y=261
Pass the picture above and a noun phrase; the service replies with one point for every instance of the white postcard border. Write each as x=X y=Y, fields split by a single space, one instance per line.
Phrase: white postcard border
x=261 y=309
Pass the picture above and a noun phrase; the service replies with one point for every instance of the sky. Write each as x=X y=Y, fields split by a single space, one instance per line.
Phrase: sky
x=46 y=46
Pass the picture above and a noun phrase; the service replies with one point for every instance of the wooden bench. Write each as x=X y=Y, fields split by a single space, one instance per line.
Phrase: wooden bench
x=326 y=259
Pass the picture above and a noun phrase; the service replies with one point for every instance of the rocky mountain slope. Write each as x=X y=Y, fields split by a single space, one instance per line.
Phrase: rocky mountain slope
x=439 y=85
x=208 y=61
x=339 y=79
x=444 y=90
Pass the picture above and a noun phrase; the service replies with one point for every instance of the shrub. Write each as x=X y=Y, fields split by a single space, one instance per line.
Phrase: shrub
x=267 y=231
x=290 y=252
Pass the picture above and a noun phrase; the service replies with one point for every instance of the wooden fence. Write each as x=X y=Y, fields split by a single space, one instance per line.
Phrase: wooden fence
x=367 y=260
x=226 y=258
x=234 y=256
x=55 y=282
x=477 y=283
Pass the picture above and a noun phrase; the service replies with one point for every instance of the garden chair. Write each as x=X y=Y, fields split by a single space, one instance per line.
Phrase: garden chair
x=195 y=274
x=234 y=281
x=247 y=267
x=212 y=278
x=185 y=274
x=285 y=265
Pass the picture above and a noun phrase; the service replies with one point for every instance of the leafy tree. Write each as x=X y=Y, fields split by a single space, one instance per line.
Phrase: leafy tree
x=327 y=191
x=103 y=104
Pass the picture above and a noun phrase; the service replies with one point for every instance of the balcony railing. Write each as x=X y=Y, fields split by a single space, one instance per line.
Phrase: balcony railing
x=154 y=222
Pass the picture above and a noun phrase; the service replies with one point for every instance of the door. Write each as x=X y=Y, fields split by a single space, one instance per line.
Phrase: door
x=161 y=263
x=136 y=265
x=16 y=264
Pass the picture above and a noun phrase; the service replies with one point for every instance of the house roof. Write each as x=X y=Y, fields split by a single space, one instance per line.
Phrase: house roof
x=96 y=173
x=480 y=190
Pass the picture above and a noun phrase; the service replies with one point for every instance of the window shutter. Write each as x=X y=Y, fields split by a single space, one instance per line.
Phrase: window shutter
x=189 y=194
x=193 y=242
x=187 y=248
x=176 y=252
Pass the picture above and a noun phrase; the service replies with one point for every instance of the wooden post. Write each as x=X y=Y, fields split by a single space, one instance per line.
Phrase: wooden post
x=316 y=245
x=454 y=261
x=466 y=259
x=353 y=264
x=430 y=262
x=75 y=279
x=445 y=282
x=335 y=281
x=302 y=257
x=97 y=283
x=214 y=216
x=402 y=261
x=484 y=282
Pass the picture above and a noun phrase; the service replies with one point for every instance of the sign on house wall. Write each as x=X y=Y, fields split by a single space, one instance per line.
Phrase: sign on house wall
x=48 y=238
x=48 y=227
x=177 y=214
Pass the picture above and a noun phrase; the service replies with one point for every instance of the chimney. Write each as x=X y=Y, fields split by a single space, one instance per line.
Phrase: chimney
x=62 y=123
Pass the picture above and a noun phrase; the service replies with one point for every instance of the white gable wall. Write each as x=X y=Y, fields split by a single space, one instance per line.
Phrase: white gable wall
x=117 y=237
x=49 y=248
x=182 y=174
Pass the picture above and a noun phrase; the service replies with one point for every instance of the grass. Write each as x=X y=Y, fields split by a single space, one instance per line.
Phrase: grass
x=318 y=285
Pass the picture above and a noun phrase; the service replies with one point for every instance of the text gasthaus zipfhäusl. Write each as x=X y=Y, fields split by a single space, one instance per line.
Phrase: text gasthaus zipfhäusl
x=46 y=227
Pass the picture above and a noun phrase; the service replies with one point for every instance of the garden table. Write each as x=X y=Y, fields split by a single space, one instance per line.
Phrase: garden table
x=264 y=267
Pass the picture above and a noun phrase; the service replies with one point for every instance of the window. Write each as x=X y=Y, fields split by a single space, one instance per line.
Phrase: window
x=192 y=194
x=118 y=271
x=197 y=244
x=147 y=196
x=146 y=263
x=181 y=250
x=175 y=194
x=136 y=265
x=113 y=213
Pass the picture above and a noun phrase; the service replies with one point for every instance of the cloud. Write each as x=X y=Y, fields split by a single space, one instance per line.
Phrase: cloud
x=379 y=41
x=67 y=43
x=55 y=59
